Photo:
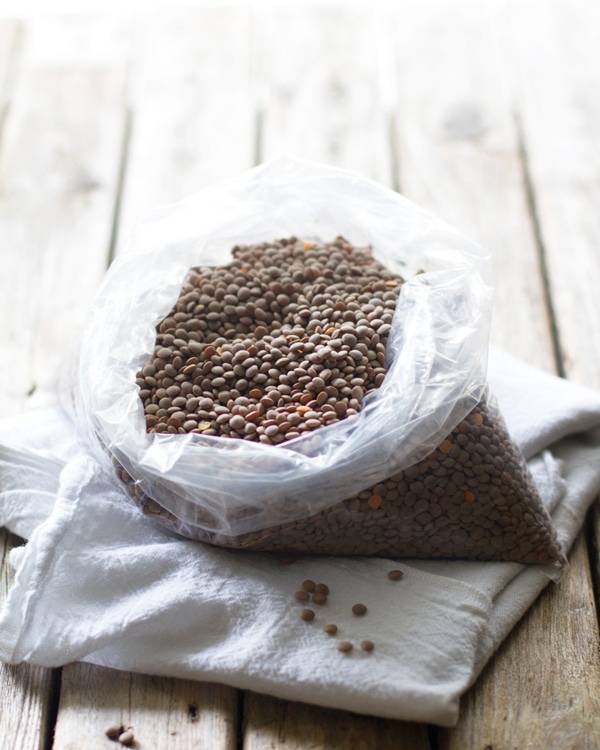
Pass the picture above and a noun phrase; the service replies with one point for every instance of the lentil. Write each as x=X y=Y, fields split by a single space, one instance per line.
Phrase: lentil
x=395 y=575
x=316 y=354
x=292 y=331
x=330 y=629
x=344 y=646
x=113 y=732
x=127 y=738
x=367 y=645
x=307 y=615
x=359 y=610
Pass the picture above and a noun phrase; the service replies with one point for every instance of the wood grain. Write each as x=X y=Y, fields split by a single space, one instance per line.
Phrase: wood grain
x=554 y=58
x=192 y=112
x=58 y=171
x=321 y=97
x=165 y=714
x=273 y=724
x=26 y=693
x=190 y=123
x=560 y=116
x=460 y=155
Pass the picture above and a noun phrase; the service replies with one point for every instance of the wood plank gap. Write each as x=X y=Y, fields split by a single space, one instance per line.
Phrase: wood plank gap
x=593 y=549
x=432 y=736
x=394 y=150
x=532 y=208
x=259 y=130
x=52 y=710
x=240 y=719
x=7 y=85
x=121 y=177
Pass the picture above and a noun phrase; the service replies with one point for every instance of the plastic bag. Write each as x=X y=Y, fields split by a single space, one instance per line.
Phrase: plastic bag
x=472 y=497
x=437 y=351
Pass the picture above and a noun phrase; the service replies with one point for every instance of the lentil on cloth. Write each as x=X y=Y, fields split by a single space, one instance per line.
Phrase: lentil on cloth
x=290 y=337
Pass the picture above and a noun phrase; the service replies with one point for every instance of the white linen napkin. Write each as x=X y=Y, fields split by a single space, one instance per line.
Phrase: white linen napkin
x=98 y=582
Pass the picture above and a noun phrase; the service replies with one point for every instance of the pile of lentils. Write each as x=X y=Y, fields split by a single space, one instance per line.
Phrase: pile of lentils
x=288 y=337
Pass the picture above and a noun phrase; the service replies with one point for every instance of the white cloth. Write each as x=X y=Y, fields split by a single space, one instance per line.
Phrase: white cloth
x=98 y=582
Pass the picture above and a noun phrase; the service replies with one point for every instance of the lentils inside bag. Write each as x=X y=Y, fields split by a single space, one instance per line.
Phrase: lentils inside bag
x=289 y=338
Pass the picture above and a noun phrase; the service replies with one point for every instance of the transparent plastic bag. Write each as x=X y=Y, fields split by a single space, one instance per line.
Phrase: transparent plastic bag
x=472 y=497
x=437 y=350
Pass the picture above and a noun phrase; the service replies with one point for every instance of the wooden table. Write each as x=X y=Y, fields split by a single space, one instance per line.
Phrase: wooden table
x=487 y=113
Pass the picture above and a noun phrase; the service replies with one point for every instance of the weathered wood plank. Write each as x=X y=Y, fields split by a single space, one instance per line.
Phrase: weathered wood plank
x=59 y=163
x=191 y=107
x=272 y=724
x=541 y=688
x=58 y=170
x=459 y=153
x=165 y=714
x=556 y=72
x=191 y=123
x=459 y=156
x=26 y=693
x=321 y=96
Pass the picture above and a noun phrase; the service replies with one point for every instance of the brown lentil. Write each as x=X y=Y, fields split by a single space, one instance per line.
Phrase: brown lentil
x=344 y=646
x=319 y=598
x=359 y=610
x=367 y=645
x=114 y=732
x=309 y=585
x=307 y=615
x=127 y=738
x=288 y=325
x=330 y=629
x=324 y=317
x=395 y=575
x=301 y=596
x=322 y=588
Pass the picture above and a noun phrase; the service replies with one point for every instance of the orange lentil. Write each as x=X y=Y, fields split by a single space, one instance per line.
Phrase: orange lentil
x=469 y=496
x=445 y=446
x=374 y=501
x=308 y=245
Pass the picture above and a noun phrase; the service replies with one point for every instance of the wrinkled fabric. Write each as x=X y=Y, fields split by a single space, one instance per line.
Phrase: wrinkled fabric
x=99 y=582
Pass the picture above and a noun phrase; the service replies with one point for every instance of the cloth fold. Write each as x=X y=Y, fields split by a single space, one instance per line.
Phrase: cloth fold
x=98 y=582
